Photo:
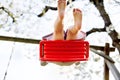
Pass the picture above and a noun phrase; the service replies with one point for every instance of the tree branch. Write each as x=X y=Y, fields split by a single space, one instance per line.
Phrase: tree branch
x=8 y=12
x=113 y=34
x=100 y=6
x=46 y=9
x=95 y=30
x=17 y=39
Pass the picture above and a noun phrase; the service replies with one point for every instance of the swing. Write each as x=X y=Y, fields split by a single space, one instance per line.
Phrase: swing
x=64 y=50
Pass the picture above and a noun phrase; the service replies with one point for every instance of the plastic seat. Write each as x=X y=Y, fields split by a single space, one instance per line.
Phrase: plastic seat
x=64 y=50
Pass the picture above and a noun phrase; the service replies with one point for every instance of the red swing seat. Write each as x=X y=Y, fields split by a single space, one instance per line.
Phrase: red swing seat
x=64 y=50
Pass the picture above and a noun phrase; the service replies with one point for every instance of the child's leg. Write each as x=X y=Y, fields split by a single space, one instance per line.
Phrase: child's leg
x=58 y=33
x=73 y=31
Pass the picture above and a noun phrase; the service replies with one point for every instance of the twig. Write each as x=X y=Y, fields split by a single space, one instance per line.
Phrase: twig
x=46 y=9
x=8 y=12
x=96 y=30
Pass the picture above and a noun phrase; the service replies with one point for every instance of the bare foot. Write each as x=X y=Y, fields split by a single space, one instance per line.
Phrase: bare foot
x=73 y=30
x=61 y=8
x=77 y=18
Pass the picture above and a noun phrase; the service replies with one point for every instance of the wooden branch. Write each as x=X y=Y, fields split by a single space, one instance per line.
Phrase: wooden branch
x=102 y=55
x=9 y=13
x=109 y=62
x=16 y=39
x=100 y=6
x=96 y=30
x=113 y=34
x=111 y=49
x=46 y=9
x=106 y=69
x=113 y=69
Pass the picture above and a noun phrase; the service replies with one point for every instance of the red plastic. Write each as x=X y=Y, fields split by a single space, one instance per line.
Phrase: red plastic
x=64 y=50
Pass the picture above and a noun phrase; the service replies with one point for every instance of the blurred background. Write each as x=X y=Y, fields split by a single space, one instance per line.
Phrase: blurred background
x=33 y=19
